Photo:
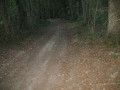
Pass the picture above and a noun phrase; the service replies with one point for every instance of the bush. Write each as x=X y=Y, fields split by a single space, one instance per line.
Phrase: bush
x=112 y=40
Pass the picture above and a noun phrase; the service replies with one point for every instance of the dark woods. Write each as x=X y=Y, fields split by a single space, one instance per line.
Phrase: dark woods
x=19 y=16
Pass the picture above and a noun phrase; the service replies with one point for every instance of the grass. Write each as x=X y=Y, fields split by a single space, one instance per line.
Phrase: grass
x=114 y=56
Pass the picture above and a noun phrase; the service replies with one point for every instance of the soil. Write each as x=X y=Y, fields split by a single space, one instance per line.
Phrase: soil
x=52 y=62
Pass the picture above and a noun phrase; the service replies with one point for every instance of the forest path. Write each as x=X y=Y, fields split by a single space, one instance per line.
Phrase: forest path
x=53 y=64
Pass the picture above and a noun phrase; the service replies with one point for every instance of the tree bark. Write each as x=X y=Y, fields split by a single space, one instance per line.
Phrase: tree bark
x=114 y=17
x=84 y=8
x=30 y=19
x=22 y=15
x=5 y=16
x=71 y=8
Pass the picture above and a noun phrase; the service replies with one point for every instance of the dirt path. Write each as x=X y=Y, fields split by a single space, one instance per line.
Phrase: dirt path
x=53 y=64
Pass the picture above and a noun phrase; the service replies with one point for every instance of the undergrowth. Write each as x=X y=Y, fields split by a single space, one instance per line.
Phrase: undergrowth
x=112 y=40
x=21 y=35
x=84 y=33
x=98 y=36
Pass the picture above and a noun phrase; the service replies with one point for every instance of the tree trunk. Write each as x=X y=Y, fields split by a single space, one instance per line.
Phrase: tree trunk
x=114 y=17
x=5 y=17
x=71 y=8
x=84 y=8
x=22 y=15
x=39 y=10
x=30 y=20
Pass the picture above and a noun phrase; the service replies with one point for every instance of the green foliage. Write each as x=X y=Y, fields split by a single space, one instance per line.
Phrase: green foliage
x=112 y=40
x=102 y=18
x=37 y=11
x=18 y=36
x=114 y=56
x=76 y=39
x=80 y=20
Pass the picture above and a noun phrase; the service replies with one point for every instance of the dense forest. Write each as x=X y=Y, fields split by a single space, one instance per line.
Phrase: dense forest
x=18 y=17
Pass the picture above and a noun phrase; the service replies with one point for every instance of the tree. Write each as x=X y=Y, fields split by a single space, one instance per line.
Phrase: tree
x=22 y=15
x=5 y=17
x=29 y=17
x=113 y=23
x=114 y=17
x=71 y=7
x=84 y=8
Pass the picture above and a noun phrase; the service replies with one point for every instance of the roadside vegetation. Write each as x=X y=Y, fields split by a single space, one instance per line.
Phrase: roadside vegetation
x=98 y=18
